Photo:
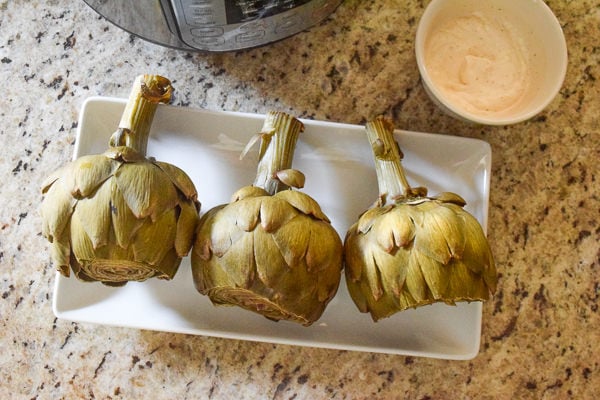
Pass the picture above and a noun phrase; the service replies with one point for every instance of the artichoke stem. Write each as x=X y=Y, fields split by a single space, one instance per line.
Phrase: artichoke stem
x=391 y=178
x=134 y=128
x=278 y=140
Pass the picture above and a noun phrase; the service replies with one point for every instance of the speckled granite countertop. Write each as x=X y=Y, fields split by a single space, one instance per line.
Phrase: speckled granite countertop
x=541 y=331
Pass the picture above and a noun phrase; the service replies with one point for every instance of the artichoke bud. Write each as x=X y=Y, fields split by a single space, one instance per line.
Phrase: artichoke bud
x=119 y=216
x=271 y=250
x=410 y=250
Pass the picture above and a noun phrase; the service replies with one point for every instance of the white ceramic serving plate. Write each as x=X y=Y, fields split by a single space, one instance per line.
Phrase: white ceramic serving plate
x=337 y=161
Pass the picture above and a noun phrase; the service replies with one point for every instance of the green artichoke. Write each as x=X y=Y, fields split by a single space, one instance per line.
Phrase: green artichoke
x=271 y=250
x=119 y=216
x=410 y=250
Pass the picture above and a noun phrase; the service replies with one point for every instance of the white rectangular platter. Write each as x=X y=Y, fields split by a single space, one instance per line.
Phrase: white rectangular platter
x=337 y=161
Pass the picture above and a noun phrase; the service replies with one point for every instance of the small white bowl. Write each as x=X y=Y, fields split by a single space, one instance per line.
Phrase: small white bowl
x=492 y=62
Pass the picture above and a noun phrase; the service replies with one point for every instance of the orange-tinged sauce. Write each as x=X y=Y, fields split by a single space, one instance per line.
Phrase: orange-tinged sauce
x=479 y=63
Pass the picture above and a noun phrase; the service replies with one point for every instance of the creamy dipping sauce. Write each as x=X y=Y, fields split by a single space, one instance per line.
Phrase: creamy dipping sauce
x=479 y=63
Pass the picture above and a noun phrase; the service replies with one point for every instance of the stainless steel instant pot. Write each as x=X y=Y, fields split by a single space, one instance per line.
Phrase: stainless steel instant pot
x=214 y=25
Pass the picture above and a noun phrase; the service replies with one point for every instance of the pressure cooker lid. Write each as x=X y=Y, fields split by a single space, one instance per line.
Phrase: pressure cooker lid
x=214 y=25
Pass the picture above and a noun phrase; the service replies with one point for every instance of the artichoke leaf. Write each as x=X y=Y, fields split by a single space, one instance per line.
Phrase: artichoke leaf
x=294 y=289
x=148 y=244
x=125 y=154
x=95 y=214
x=275 y=212
x=354 y=254
x=441 y=235
x=460 y=280
x=372 y=277
x=201 y=248
x=186 y=226
x=49 y=181
x=146 y=191
x=402 y=224
x=384 y=235
x=243 y=213
x=248 y=191
x=415 y=281
x=302 y=294
x=477 y=248
x=490 y=275
x=201 y=251
x=209 y=271
x=449 y=197
x=406 y=301
x=56 y=210
x=80 y=242
x=324 y=250
x=88 y=172
x=168 y=266
x=229 y=223
x=291 y=177
x=293 y=239
x=179 y=178
x=124 y=223
x=238 y=262
x=116 y=252
x=133 y=184
x=221 y=239
x=355 y=288
x=304 y=203
x=60 y=249
x=326 y=288
x=382 y=308
x=366 y=220
x=435 y=274
x=392 y=270
x=383 y=230
x=271 y=264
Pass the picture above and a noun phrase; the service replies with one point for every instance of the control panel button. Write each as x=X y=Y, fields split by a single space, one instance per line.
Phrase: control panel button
x=207 y=32
x=250 y=36
x=200 y=15
x=208 y=41
x=259 y=24
x=287 y=23
x=200 y=12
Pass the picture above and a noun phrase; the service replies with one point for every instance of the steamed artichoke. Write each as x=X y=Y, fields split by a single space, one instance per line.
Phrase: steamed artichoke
x=119 y=216
x=410 y=250
x=271 y=250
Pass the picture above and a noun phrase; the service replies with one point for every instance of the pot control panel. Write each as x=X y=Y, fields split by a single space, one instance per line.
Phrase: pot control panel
x=223 y=25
